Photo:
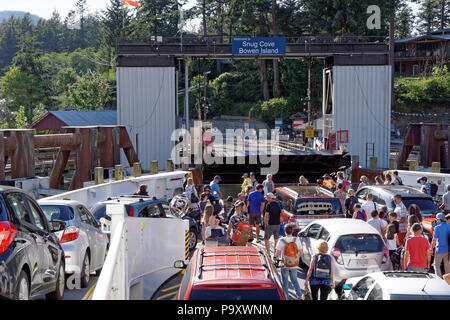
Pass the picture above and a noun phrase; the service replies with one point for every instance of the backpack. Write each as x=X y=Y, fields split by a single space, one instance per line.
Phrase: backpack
x=242 y=234
x=291 y=254
x=396 y=256
x=322 y=267
x=433 y=189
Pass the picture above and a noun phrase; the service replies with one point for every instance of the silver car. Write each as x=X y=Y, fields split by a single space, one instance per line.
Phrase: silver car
x=397 y=285
x=356 y=247
x=85 y=246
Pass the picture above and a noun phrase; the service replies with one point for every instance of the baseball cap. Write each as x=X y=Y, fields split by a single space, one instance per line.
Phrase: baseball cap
x=218 y=177
x=441 y=216
x=326 y=175
x=252 y=173
x=271 y=195
x=245 y=175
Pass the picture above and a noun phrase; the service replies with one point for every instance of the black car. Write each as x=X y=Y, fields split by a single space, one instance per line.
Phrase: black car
x=148 y=207
x=31 y=258
x=383 y=195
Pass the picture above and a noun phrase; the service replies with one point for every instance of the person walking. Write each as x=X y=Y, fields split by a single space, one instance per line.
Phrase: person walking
x=191 y=193
x=378 y=181
x=207 y=220
x=341 y=179
x=397 y=181
x=341 y=195
x=364 y=182
x=142 y=190
x=271 y=221
x=441 y=245
x=350 y=202
x=238 y=217
x=321 y=273
x=445 y=206
x=392 y=244
x=414 y=210
x=387 y=179
x=417 y=251
x=401 y=211
x=253 y=181
x=393 y=221
x=255 y=203
x=289 y=271
x=426 y=187
x=358 y=213
x=186 y=177
x=302 y=181
x=377 y=224
x=269 y=185
x=245 y=183
x=369 y=206
x=215 y=189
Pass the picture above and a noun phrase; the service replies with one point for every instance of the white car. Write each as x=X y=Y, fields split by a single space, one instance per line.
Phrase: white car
x=396 y=285
x=356 y=247
x=85 y=246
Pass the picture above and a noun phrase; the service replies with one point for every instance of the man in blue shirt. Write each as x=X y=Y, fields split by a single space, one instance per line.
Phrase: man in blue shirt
x=215 y=189
x=440 y=242
x=255 y=203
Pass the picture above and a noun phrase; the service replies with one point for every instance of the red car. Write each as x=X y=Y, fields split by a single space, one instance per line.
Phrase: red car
x=230 y=273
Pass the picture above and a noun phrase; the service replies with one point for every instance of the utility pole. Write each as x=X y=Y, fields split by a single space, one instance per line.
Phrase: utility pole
x=186 y=93
x=308 y=97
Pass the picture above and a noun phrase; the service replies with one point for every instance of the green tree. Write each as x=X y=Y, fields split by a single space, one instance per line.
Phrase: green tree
x=404 y=22
x=90 y=92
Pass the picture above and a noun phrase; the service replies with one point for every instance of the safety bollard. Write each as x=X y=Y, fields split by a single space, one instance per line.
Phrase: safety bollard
x=436 y=167
x=154 y=167
x=98 y=175
x=118 y=172
x=413 y=165
x=137 y=169
x=169 y=165
x=392 y=164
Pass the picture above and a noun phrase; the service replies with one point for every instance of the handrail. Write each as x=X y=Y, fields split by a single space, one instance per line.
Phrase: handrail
x=104 y=286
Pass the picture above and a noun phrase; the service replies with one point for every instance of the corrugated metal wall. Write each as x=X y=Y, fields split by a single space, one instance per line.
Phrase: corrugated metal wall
x=146 y=106
x=362 y=105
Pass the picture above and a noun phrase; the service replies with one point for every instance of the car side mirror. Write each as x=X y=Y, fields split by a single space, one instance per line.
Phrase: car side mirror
x=57 y=225
x=180 y=264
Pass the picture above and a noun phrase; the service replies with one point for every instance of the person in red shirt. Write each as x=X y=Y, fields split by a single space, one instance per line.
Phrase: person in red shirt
x=417 y=251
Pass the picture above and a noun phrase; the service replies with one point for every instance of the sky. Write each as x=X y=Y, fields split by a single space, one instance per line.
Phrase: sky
x=45 y=8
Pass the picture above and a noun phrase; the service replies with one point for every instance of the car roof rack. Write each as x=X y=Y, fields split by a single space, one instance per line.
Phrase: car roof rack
x=233 y=266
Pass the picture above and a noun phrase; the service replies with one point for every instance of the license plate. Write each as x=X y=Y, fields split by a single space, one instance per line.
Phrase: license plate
x=362 y=262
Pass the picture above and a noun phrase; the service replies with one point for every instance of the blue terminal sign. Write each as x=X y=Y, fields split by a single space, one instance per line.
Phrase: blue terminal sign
x=259 y=46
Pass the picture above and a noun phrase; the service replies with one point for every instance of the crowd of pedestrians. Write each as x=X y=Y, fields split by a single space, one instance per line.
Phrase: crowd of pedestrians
x=256 y=205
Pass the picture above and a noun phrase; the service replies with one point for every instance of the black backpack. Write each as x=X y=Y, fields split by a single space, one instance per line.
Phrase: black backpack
x=322 y=267
x=433 y=189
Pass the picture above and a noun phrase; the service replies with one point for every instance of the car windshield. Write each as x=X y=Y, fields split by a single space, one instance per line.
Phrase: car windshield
x=317 y=206
x=425 y=205
x=244 y=294
x=407 y=275
x=58 y=212
x=359 y=243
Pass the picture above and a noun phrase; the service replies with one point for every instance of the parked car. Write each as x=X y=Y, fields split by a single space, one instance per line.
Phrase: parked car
x=383 y=196
x=397 y=285
x=304 y=204
x=230 y=273
x=85 y=245
x=147 y=207
x=31 y=258
x=356 y=246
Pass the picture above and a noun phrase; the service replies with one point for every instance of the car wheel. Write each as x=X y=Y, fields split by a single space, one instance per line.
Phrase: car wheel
x=22 y=291
x=193 y=239
x=58 y=294
x=85 y=271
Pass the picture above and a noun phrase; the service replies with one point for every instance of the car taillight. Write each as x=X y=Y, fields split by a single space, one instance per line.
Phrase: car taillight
x=7 y=235
x=70 y=234
x=336 y=253
x=131 y=212
x=385 y=252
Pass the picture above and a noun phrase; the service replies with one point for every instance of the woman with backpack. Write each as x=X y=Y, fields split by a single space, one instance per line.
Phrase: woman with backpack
x=392 y=245
x=320 y=274
x=289 y=251
x=269 y=185
x=191 y=193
